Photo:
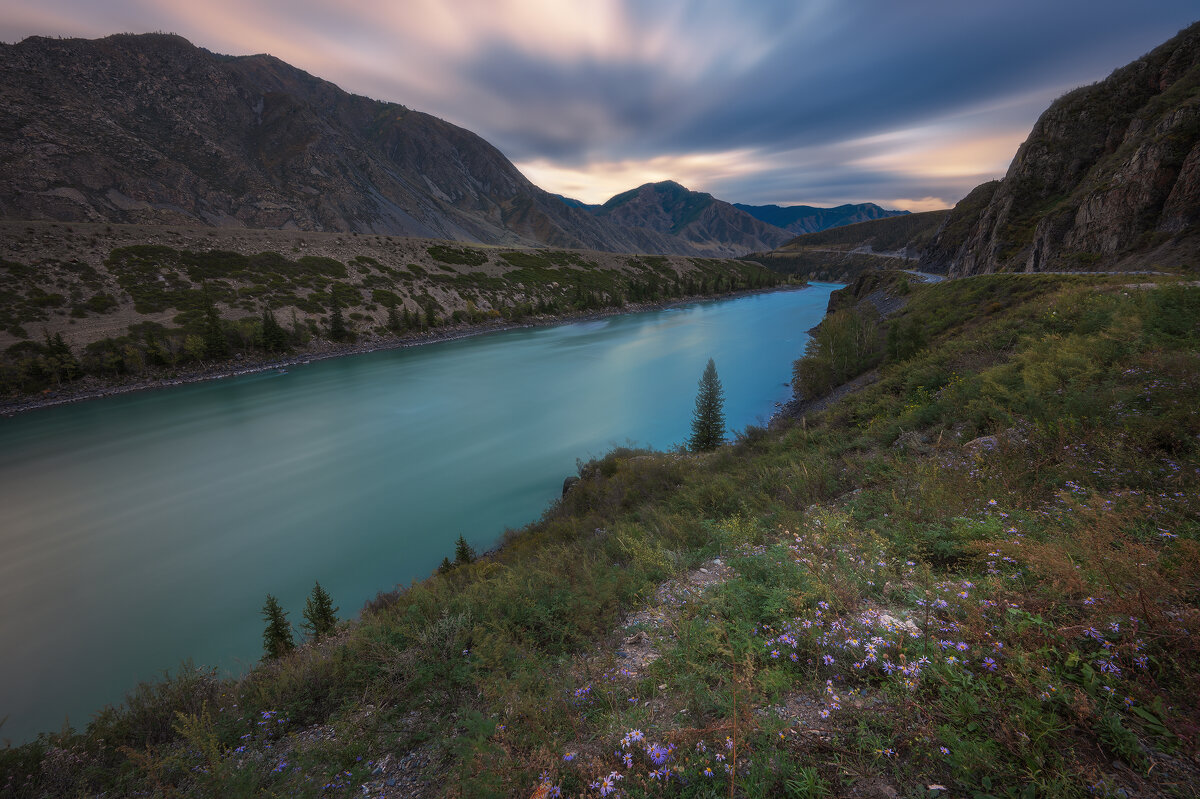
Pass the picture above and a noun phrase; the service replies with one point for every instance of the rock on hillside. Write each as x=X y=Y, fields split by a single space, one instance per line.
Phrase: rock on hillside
x=150 y=129
x=1110 y=175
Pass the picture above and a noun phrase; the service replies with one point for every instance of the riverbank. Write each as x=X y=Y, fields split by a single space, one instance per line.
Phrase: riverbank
x=91 y=387
x=869 y=604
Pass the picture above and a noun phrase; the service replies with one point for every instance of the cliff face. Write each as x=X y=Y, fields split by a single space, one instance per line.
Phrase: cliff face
x=1109 y=176
x=151 y=130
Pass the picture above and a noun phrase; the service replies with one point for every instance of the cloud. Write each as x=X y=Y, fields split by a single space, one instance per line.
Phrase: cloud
x=749 y=101
x=600 y=180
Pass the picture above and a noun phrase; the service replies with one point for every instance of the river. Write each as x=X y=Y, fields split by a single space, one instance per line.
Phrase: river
x=140 y=530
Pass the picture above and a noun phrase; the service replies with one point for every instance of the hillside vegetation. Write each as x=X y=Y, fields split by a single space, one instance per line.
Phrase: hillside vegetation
x=119 y=303
x=977 y=576
x=843 y=253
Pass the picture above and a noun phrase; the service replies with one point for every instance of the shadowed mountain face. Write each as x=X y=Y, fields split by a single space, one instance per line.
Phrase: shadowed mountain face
x=699 y=218
x=800 y=219
x=150 y=129
x=1109 y=177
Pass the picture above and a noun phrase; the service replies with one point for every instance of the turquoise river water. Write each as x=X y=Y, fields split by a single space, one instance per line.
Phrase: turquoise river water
x=144 y=529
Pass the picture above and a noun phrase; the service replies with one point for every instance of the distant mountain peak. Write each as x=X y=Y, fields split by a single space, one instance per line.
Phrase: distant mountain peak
x=800 y=219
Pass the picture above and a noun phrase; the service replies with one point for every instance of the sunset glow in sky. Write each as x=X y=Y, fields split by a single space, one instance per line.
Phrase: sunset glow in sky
x=820 y=102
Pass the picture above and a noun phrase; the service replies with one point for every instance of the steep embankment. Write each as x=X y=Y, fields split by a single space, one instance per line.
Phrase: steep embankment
x=980 y=572
x=1108 y=178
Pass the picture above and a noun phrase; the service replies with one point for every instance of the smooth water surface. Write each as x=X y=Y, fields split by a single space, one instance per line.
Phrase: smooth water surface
x=141 y=530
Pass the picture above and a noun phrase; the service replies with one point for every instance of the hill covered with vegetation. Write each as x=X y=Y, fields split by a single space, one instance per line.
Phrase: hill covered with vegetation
x=979 y=575
x=843 y=253
x=87 y=305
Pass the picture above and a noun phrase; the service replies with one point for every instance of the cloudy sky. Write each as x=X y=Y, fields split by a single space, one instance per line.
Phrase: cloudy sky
x=907 y=104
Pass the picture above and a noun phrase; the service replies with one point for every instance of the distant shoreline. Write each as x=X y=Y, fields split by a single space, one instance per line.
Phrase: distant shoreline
x=91 y=388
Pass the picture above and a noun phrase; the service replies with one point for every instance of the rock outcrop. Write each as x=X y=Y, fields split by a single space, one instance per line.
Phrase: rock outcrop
x=1108 y=178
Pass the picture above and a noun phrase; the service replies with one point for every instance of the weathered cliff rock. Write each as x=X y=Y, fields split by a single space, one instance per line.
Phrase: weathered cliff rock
x=1108 y=178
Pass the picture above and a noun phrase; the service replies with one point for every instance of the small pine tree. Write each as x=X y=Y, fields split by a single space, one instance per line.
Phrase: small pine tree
x=446 y=566
x=216 y=346
x=60 y=361
x=463 y=552
x=274 y=337
x=394 y=324
x=277 y=637
x=337 y=324
x=708 y=420
x=320 y=616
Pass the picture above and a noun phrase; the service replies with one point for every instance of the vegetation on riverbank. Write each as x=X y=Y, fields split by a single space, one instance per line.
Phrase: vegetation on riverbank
x=156 y=310
x=982 y=572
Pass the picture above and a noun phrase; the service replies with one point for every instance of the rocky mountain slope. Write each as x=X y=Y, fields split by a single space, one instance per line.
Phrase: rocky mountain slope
x=1109 y=177
x=800 y=219
x=152 y=130
x=697 y=217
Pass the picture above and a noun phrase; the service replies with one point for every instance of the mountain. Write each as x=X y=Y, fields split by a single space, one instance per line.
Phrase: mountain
x=801 y=219
x=150 y=129
x=696 y=217
x=842 y=253
x=1109 y=176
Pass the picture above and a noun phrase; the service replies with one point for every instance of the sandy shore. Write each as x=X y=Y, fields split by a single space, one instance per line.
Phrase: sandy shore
x=95 y=388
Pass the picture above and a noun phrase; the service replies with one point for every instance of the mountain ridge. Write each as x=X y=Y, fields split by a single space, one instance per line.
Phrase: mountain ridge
x=698 y=217
x=801 y=219
x=151 y=129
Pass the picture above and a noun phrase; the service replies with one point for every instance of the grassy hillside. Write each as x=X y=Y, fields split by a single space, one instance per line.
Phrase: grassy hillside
x=882 y=235
x=982 y=572
x=117 y=303
x=843 y=253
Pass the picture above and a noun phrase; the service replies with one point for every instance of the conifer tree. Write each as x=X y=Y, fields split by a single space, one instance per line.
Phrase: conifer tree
x=277 y=637
x=60 y=361
x=708 y=419
x=337 y=324
x=274 y=337
x=446 y=566
x=320 y=616
x=463 y=552
x=216 y=346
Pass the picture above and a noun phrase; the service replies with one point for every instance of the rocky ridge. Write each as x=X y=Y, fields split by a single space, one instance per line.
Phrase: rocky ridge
x=1110 y=175
x=150 y=129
